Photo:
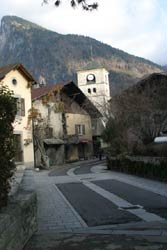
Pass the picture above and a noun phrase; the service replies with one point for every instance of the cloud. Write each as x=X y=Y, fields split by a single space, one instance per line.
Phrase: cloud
x=137 y=27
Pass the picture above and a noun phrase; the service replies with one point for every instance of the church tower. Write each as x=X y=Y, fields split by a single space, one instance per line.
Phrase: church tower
x=93 y=80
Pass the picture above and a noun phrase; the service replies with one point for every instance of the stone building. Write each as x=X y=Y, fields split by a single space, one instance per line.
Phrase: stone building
x=66 y=122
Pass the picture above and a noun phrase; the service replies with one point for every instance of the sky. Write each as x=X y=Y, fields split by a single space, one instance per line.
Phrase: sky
x=138 y=27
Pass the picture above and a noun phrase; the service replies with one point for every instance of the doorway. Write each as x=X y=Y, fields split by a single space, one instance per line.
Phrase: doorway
x=18 y=148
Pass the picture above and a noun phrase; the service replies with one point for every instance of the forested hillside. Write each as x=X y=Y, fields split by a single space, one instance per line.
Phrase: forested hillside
x=53 y=57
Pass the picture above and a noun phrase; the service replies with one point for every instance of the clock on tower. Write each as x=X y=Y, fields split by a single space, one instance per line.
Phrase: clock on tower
x=91 y=78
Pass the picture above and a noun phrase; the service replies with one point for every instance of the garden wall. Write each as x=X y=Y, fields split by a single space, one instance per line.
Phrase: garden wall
x=18 y=221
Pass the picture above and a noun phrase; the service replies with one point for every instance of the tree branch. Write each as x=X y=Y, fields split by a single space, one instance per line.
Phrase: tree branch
x=74 y=3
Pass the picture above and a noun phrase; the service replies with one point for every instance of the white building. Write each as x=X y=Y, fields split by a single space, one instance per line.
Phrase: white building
x=18 y=79
x=93 y=80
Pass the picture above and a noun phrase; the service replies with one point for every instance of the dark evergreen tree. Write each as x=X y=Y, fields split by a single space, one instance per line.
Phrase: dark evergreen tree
x=7 y=166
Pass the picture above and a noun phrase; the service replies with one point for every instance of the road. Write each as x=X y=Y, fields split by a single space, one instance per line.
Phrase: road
x=110 y=201
x=87 y=199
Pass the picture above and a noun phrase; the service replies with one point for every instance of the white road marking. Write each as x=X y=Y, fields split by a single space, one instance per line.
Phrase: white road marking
x=140 y=212
x=70 y=172
x=118 y=201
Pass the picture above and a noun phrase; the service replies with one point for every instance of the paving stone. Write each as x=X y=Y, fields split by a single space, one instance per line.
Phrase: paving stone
x=54 y=213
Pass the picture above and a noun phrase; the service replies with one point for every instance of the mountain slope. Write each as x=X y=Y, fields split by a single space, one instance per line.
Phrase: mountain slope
x=53 y=57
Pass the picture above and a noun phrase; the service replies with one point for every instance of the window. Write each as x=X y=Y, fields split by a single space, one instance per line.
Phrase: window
x=20 y=103
x=49 y=132
x=89 y=91
x=14 y=81
x=22 y=107
x=94 y=90
x=79 y=129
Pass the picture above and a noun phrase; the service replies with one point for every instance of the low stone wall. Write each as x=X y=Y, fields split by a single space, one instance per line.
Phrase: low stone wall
x=18 y=221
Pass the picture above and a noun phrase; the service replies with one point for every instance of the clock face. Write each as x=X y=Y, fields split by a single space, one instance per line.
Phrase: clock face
x=90 y=77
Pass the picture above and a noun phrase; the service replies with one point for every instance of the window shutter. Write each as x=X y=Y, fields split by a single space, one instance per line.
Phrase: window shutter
x=18 y=105
x=76 y=129
x=22 y=107
x=83 y=127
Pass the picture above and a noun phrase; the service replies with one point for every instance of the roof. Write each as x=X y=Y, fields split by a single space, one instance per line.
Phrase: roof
x=92 y=65
x=37 y=93
x=151 y=77
x=149 y=81
x=17 y=66
x=72 y=91
x=54 y=141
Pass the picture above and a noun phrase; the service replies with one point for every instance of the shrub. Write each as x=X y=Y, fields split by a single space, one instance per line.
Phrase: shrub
x=151 y=149
x=140 y=168
x=7 y=166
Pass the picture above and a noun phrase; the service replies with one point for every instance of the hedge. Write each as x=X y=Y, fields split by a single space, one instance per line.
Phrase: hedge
x=139 y=168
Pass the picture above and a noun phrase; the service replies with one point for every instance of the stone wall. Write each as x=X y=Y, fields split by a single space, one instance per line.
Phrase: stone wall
x=18 y=221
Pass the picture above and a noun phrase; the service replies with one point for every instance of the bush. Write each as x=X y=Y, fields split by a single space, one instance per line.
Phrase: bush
x=151 y=149
x=140 y=168
x=7 y=166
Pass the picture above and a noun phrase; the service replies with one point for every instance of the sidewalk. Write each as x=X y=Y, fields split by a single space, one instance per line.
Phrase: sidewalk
x=54 y=211
x=15 y=182
x=54 y=241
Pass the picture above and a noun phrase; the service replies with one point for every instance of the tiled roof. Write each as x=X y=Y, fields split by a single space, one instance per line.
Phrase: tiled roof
x=4 y=70
x=92 y=65
x=42 y=91
x=17 y=66
x=71 y=90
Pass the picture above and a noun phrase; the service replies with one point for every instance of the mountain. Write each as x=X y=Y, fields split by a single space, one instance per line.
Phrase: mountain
x=52 y=57
x=164 y=67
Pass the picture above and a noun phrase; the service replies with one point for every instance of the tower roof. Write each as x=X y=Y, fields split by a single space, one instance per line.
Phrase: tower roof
x=92 y=65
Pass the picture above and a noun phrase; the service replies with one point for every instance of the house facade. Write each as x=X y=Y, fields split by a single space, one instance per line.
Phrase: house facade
x=18 y=79
x=67 y=115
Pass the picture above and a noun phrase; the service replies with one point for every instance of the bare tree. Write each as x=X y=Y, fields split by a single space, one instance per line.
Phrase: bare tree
x=140 y=113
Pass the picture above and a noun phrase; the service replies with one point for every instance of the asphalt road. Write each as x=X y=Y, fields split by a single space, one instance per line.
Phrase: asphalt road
x=152 y=202
x=84 y=167
x=92 y=207
x=96 y=210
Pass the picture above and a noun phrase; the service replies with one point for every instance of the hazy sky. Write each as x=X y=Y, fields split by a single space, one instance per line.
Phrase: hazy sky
x=138 y=27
